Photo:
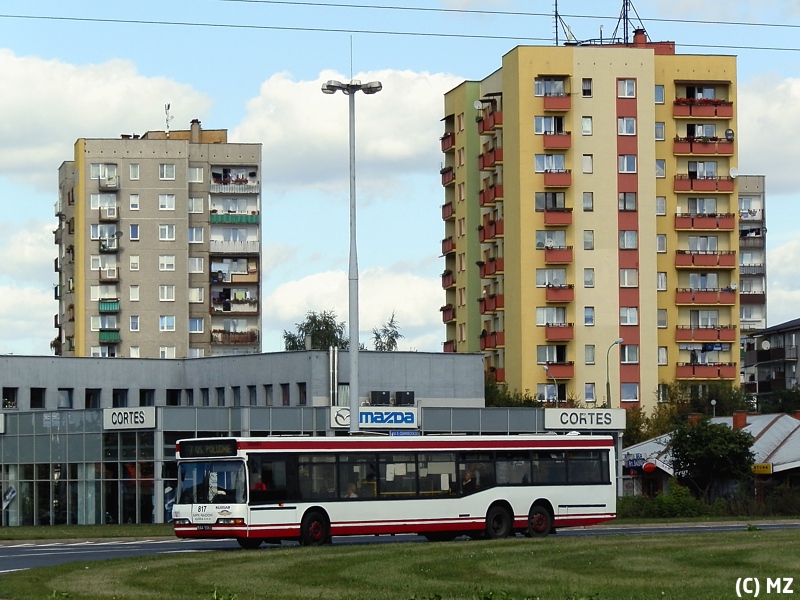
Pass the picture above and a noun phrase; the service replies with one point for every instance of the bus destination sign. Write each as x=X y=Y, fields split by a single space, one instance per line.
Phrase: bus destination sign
x=207 y=448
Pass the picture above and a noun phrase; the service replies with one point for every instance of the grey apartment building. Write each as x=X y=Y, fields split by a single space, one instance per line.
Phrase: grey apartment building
x=159 y=246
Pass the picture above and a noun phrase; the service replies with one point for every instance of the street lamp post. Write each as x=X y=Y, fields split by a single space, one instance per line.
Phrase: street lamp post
x=555 y=382
x=617 y=342
x=350 y=89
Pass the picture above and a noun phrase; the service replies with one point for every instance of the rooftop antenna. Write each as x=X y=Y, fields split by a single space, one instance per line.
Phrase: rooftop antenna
x=626 y=21
x=558 y=21
x=169 y=116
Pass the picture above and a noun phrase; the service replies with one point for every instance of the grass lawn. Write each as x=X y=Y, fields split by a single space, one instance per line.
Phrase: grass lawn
x=615 y=567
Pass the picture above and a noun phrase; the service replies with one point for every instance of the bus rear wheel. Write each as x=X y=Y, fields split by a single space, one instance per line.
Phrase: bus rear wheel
x=498 y=523
x=314 y=530
x=540 y=523
x=249 y=543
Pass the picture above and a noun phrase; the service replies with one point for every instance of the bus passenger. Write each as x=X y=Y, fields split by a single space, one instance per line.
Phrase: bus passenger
x=352 y=491
x=468 y=483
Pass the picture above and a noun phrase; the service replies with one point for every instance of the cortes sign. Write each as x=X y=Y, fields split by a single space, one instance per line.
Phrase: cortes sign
x=377 y=418
x=143 y=417
x=578 y=418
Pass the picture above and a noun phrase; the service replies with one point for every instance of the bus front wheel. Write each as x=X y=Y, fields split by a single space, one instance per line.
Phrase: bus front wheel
x=314 y=530
x=498 y=523
x=539 y=522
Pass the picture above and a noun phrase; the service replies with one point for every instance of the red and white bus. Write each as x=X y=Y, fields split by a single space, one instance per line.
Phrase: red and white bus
x=311 y=488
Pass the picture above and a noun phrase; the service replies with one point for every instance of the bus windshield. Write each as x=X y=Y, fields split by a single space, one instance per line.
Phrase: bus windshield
x=212 y=482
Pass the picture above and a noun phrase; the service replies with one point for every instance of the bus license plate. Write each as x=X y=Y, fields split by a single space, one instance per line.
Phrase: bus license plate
x=204 y=528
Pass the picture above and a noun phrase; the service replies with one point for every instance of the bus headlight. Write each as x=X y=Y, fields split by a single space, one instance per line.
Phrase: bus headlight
x=238 y=521
x=180 y=521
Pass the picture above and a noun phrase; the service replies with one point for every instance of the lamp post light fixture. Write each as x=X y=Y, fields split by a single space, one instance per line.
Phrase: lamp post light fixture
x=714 y=407
x=350 y=89
x=617 y=342
x=555 y=382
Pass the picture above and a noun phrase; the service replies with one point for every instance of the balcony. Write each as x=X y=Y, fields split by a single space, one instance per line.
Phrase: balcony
x=689 y=221
x=249 y=276
x=449 y=346
x=725 y=296
x=704 y=108
x=490 y=231
x=448 y=245
x=491 y=303
x=109 y=245
x=109 y=336
x=751 y=241
x=560 y=293
x=490 y=122
x=558 y=217
x=448 y=313
x=488 y=195
x=685 y=183
x=557 y=141
x=108 y=306
x=108 y=184
x=448 y=279
x=722 y=333
x=707 y=371
x=222 y=306
x=448 y=212
x=238 y=247
x=448 y=141
x=779 y=354
x=497 y=373
x=722 y=260
x=489 y=159
x=492 y=267
x=448 y=176
x=713 y=146
x=242 y=186
x=234 y=337
x=752 y=298
x=558 y=178
x=557 y=103
x=559 y=332
x=558 y=256
x=108 y=214
x=251 y=218
x=493 y=340
x=57 y=265
x=752 y=270
x=561 y=370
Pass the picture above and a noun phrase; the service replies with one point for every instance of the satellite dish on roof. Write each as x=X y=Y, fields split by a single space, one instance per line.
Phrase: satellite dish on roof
x=765 y=344
x=478 y=105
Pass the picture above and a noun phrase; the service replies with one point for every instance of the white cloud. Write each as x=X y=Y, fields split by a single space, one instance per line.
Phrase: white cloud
x=27 y=252
x=26 y=319
x=305 y=132
x=49 y=104
x=783 y=294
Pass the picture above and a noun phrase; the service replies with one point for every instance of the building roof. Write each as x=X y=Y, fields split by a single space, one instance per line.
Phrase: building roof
x=787 y=326
x=776 y=441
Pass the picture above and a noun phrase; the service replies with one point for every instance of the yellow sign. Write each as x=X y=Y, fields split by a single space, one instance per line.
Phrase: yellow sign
x=762 y=468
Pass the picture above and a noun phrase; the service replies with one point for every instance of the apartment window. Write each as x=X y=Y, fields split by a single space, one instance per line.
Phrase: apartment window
x=698 y=130
x=166 y=323
x=552 y=125
x=628 y=278
x=588 y=392
x=703 y=243
x=661 y=281
x=627 y=201
x=660 y=131
x=549 y=354
x=588 y=354
x=134 y=323
x=588 y=201
x=166 y=352
x=252 y=392
x=626 y=125
x=662 y=356
x=629 y=354
x=661 y=168
x=134 y=262
x=285 y=398
x=134 y=293
x=586 y=125
x=133 y=201
x=195 y=264
x=301 y=393
x=549 y=201
x=462 y=296
x=460 y=155
x=550 y=315
x=102 y=232
x=462 y=225
x=703 y=206
x=196 y=295
x=134 y=352
x=545 y=277
x=166 y=293
x=548 y=86
x=586 y=87
x=702 y=169
x=626 y=88
x=629 y=392
x=196 y=353
x=588 y=239
x=551 y=239
x=588 y=278
x=37 y=398
x=166 y=262
x=166 y=172
x=99 y=322
x=65 y=397
x=661 y=205
x=628 y=315
x=661 y=318
x=659 y=94
x=462 y=262
x=462 y=332
x=166 y=233
x=95 y=264
x=628 y=240
x=195 y=325
x=195 y=175
x=588 y=165
x=703 y=281
x=704 y=318
x=588 y=315
x=661 y=243
x=134 y=232
x=627 y=163
x=549 y=162
x=195 y=235
x=195 y=205
x=461 y=187
x=134 y=172
x=166 y=202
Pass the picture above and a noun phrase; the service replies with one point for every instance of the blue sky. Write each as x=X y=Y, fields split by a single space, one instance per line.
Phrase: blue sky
x=255 y=68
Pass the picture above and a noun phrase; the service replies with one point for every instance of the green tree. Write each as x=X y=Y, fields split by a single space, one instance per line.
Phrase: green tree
x=706 y=454
x=635 y=427
x=384 y=338
x=498 y=395
x=781 y=401
x=325 y=331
